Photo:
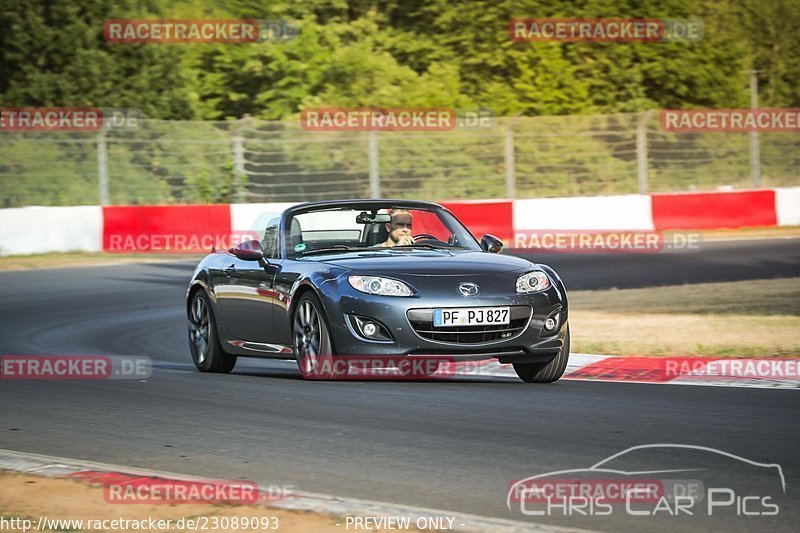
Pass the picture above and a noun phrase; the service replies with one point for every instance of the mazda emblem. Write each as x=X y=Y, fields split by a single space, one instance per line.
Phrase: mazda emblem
x=469 y=289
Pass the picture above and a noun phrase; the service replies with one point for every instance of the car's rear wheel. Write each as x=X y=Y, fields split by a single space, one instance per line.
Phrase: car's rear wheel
x=545 y=372
x=204 y=344
x=312 y=340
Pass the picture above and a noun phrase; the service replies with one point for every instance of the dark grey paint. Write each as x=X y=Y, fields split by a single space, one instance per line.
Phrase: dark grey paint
x=253 y=300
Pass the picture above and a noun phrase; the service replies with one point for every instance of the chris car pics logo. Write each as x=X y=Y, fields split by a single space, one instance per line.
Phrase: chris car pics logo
x=684 y=481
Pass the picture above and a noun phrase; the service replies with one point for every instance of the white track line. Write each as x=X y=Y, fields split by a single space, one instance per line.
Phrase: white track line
x=51 y=466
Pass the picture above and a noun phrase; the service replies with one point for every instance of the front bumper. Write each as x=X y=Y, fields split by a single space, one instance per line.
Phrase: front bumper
x=530 y=344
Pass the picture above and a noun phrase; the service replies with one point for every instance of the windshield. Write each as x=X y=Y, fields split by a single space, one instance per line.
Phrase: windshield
x=340 y=230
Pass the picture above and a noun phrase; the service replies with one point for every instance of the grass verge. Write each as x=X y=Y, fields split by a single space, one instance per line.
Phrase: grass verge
x=776 y=232
x=758 y=318
x=30 y=497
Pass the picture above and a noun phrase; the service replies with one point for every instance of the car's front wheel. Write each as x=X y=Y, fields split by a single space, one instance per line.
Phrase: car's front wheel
x=204 y=344
x=545 y=372
x=312 y=340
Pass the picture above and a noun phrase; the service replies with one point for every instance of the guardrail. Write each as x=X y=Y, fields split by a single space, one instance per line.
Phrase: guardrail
x=193 y=228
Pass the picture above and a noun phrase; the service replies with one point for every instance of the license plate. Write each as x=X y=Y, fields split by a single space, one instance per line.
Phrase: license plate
x=471 y=316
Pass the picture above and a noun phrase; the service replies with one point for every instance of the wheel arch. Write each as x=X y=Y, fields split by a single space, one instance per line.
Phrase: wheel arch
x=305 y=287
x=194 y=287
x=562 y=290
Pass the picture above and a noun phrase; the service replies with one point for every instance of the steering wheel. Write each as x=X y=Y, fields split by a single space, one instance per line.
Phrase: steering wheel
x=424 y=236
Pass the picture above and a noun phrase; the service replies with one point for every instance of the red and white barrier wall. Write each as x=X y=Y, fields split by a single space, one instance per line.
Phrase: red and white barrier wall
x=193 y=228
x=613 y=213
x=787 y=206
x=35 y=230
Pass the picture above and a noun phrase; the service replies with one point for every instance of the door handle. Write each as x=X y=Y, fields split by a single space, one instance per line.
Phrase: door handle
x=229 y=270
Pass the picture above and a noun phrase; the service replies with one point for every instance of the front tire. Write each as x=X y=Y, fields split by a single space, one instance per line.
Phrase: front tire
x=207 y=352
x=545 y=372
x=312 y=341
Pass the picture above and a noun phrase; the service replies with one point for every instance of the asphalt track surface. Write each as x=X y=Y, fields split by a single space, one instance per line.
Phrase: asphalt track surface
x=447 y=444
x=716 y=261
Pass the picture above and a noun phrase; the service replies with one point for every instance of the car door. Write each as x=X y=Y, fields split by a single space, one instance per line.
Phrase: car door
x=245 y=299
x=284 y=281
x=247 y=294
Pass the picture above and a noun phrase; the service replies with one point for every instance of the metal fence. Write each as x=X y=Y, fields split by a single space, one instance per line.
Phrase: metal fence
x=164 y=162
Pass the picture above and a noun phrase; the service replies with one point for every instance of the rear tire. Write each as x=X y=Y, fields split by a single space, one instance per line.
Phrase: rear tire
x=207 y=352
x=545 y=372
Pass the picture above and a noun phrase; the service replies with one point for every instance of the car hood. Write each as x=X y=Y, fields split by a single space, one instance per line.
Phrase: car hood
x=430 y=263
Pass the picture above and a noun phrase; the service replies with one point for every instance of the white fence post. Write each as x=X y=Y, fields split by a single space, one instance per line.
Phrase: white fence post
x=238 y=161
x=641 y=151
x=102 y=167
x=755 y=152
x=511 y=179
x=374 y=166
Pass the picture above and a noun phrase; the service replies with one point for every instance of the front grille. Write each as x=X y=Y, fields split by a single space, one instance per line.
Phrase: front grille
x=422 y=322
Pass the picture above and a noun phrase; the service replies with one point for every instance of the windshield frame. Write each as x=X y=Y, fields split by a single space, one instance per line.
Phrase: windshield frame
x=443 y=213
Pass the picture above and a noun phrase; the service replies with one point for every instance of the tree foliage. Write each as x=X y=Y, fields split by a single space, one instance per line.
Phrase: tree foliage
x=387 y=53
x=396 y=53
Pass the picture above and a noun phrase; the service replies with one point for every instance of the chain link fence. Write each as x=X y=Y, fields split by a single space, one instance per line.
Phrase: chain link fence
x=248 y=160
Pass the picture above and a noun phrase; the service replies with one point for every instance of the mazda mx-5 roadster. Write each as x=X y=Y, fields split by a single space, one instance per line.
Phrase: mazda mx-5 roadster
x=371 y=280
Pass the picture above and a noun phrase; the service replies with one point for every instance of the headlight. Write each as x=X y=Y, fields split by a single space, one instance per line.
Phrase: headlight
x=532 y=282
x=380 y=286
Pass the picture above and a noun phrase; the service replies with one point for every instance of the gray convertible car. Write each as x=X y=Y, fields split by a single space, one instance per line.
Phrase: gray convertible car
x=338 y=281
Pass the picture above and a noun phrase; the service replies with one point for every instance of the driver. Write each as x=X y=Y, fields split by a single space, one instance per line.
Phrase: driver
x=399 y=229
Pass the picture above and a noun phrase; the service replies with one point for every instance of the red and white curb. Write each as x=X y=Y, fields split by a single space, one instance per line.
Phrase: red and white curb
x=88 y=471
x=194 y=228
x=773 y=373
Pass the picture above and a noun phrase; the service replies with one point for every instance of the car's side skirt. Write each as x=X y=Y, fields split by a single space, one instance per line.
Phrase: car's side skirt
x=260 y=349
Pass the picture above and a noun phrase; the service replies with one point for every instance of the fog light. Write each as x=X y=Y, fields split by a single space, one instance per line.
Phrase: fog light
x=550 y=324
x=370 y=329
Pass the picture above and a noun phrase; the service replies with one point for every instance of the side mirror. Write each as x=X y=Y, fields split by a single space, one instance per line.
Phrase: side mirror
x=249 y=251
x=492 y=244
